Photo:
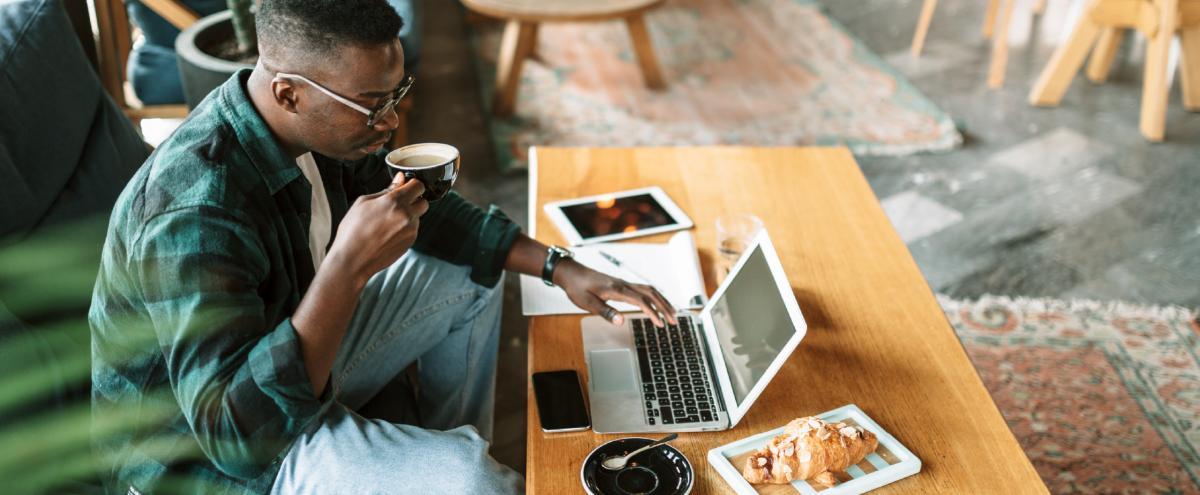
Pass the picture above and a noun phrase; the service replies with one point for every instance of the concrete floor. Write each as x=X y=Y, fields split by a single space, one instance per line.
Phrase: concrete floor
x=1065 y=202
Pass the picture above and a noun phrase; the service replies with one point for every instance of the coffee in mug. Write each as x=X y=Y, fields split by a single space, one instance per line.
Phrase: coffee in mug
x=434 y=164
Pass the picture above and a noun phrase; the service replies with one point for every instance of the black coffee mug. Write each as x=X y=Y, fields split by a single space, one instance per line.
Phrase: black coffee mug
x=434 y=164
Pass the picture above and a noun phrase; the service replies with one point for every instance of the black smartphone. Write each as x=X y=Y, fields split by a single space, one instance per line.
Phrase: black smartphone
x=560 y=401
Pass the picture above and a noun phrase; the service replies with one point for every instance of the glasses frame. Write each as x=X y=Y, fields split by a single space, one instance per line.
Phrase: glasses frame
x=373 y=115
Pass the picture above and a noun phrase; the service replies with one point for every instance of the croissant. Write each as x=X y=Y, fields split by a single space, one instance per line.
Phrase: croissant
x=809 y=448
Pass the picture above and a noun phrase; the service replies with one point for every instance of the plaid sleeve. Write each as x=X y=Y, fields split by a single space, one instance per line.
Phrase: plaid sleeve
x=459 y=232
x=370 y=175
x=238 y=379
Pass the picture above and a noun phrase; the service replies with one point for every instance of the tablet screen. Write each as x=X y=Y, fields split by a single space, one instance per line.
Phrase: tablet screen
x=617 y=215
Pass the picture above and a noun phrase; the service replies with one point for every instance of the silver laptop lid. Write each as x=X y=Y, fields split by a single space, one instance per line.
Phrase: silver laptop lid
x=751 y=324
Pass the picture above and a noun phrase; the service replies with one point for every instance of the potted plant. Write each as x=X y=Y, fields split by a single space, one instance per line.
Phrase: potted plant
x=214 y=48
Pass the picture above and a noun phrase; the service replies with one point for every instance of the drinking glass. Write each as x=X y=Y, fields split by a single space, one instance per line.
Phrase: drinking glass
x=735 y=233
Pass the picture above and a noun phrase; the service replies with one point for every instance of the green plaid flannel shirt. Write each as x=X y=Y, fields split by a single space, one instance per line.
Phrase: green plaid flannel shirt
x=198 y=380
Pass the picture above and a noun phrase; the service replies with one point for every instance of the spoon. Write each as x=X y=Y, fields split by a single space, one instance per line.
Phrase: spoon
x=617 y=463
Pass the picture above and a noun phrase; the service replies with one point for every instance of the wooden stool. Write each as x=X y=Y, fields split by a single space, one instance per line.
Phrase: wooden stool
x=1103 y=25
x=520 y=36
x=999 y=38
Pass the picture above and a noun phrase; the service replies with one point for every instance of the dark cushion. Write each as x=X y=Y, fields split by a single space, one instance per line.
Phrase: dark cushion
x=65 y=147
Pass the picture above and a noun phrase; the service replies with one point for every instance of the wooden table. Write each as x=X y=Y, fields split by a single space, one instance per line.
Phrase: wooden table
x=520 y=36
x=876 y=338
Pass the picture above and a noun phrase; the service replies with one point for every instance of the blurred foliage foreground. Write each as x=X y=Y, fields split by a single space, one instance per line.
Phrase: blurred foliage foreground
x=45 y=415
x=46 y=424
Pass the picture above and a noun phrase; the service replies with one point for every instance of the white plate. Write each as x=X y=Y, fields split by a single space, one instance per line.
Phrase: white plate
x=890 y=462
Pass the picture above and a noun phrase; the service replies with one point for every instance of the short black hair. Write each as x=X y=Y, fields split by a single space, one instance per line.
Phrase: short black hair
x=318 y=27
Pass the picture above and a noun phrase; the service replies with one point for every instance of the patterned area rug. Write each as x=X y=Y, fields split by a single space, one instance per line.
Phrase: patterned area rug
x=753 y=72
x=1104 y=398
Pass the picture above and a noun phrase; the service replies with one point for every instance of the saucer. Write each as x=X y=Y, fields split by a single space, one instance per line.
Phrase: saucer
x=661 y=470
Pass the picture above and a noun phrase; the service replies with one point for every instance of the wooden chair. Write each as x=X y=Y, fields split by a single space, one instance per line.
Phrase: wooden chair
x=998 y=36
x=115 y=40
x=1102 y=27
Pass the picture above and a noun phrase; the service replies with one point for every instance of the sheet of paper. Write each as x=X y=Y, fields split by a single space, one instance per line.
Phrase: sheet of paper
x=673 y=268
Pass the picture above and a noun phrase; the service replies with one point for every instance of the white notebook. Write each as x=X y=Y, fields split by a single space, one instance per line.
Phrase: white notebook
x=673 y=268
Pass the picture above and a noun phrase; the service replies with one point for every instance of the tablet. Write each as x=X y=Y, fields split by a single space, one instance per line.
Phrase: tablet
x=616 y=216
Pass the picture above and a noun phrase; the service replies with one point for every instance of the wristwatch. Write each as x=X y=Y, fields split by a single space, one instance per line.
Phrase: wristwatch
x=556 y=254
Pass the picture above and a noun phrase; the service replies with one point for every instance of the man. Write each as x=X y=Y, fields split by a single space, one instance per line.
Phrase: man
x=264 y=277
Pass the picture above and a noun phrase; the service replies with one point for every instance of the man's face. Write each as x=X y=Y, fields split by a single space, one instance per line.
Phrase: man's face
x=366 y=75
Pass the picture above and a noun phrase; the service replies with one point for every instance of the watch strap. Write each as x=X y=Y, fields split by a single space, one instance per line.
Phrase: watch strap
x=553 y=257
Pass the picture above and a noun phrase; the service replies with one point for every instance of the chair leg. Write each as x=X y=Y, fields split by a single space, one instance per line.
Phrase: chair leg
x=1189 y=68
x=400 y=135
x=1052 y=84
x=1157 y=80
x=1104 y=53
x=989 y=18
x=1000 y=47
x=918 y=42
x=644 y=49
x=533 y=46
x=514 y=47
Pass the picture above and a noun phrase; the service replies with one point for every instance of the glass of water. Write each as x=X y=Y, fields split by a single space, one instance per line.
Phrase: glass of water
x=735 y=233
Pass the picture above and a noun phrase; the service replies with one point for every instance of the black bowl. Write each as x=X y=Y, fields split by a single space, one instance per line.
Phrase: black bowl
x=661 y=470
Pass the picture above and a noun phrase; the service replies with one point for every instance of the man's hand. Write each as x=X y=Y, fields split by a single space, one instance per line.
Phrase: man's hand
x=590 y=289
x=379 y=228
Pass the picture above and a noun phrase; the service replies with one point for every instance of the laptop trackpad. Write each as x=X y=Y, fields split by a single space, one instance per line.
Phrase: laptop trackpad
x=613 y=371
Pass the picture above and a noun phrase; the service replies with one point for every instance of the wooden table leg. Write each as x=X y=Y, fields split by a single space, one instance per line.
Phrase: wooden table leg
x=514 y=47
x=1000 y=47
x=989 y=18
x=1189 y=68
x=918 y=42
x=645 y=51
x=1066 y=62
x=1102 y=57
x=1157 y=80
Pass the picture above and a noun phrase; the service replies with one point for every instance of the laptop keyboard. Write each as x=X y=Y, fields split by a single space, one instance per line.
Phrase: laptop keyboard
x=675 y=383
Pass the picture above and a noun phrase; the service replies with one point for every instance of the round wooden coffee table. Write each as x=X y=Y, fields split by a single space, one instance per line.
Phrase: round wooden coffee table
x=520 y=35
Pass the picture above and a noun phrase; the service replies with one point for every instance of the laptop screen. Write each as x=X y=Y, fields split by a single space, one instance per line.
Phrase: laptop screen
x=752 y=323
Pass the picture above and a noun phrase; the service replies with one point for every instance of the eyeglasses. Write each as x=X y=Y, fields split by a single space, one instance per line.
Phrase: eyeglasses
x=373 y=115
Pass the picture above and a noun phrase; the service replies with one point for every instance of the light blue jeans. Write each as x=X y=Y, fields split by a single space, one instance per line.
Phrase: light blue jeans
x=425 y=310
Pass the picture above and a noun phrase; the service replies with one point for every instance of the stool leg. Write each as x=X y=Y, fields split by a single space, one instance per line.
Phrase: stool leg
x=1000 y=48
x=1157 y=80
x=514 y=47
x=1189 y=68
x=1066 y=62
x=989 y=18
x=645 y=51
x=918 y=42
x=1102 y=57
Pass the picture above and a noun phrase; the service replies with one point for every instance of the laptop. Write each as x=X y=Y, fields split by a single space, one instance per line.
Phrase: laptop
x=704 y=373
